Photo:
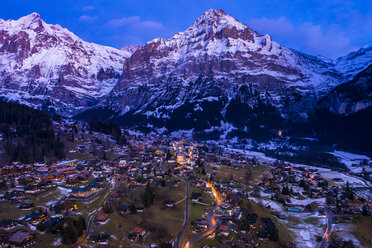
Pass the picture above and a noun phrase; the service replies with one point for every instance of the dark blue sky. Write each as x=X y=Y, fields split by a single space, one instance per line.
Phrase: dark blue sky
x=326 y=27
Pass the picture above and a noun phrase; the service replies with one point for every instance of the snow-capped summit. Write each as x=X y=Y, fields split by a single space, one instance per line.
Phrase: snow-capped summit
x=355 y=62
x=217 y=73
x=130 y=49
x=218 y=45
x=43 y=64
x=221 y=63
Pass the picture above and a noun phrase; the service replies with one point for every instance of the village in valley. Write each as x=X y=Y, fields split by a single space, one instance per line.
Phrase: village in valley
x=150 y=190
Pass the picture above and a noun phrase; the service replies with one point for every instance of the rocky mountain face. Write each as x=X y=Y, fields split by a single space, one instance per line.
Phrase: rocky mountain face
x=352 y=96
x=47 y=66
x=217 y=77
x=353 y=63
x=343 y=116
x=218 y=71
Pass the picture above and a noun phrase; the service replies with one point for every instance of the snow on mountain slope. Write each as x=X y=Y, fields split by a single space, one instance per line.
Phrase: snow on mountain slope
x=220 y=46
x=130 y=49
x=355 y=62
x=221 y=66
x=47 y=64
x=352 y=96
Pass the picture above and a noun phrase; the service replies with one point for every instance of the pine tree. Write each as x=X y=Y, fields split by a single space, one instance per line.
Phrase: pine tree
x=148 y=198
x=132 y=209
x=79 y=228
x=83 y=222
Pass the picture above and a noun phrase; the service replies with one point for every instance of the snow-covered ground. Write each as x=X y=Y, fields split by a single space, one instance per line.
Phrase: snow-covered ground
x=324 y=172
x=64 y=191
x=353 y=181
x=259 y=155
x=345 y=231
x=305 y=226
x=349 y=159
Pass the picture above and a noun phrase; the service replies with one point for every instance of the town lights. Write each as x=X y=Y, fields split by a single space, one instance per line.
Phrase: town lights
x=280 y=133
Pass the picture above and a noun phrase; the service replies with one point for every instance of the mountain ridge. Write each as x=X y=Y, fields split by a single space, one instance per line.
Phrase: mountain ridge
x=233 y=65
x=46 y=66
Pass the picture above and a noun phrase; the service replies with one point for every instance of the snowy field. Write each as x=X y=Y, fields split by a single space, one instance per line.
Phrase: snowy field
x=346 y=232
x=305 y=226
x=259 y=155
x=349 y=159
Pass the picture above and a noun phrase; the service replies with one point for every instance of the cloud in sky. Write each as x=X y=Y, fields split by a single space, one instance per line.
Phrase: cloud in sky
x=86 y=18
x=306 y=37
x=88 y=8
x=134 y=21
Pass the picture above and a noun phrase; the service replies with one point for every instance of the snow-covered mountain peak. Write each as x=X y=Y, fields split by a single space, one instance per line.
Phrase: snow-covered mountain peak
x=29 y=22
x=354 y=62
x=130 y=49
x=215 y=18
x=220 y=46
x=43 y=61
x=216 y=24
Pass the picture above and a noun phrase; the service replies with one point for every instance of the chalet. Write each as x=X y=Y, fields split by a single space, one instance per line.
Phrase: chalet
x=132 y=174
x=246 y=238
x=195 y=196
x=93 y=186
x=278 y=214
x=99 y=179
x=140 y=208
x=31 y=189
x=67 y=171
x=72 y=180
x=101 y=238
x=252 y=220
x=22 y=239
x=54 y=223
x=139 y=231
x=169 y=203
x=238 y=244
x=124 y=208
x=45 y=184
x=132 y=236
x=15 y=194
x=65 y=204
x=42 y=170
x=224 y=230
x=102 y=218
x=7 y=224
x=166 y=245
x=36 y=217
x=26 y=206
x=201 y=224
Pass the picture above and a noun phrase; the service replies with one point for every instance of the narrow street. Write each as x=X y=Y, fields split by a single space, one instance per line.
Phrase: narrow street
x=328 y=231
x=180 y=235
x=90 y=227
x=212 y=223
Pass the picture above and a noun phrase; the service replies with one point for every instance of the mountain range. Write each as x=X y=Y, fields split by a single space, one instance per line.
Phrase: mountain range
x=218 y=77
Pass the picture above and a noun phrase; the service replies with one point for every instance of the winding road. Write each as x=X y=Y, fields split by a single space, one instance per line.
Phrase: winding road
x=180 y=235
x=211 y=227
x=328 y=231
x=90 y=228
x=212 y=223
